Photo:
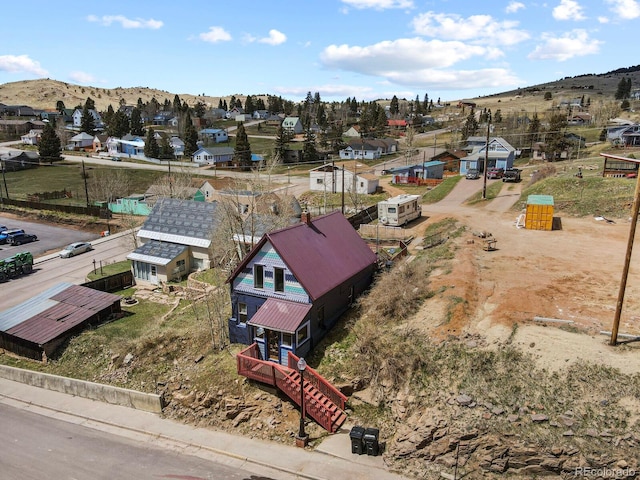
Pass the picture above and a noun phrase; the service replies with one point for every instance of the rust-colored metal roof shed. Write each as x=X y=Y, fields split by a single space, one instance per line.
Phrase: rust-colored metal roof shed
x=38 y=326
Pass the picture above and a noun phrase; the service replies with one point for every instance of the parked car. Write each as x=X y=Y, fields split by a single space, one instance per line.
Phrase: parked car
x=473 y=174
x=495 y=172
x=511 y=175
x=20 y=238
x=74 y=249
x=4 y=236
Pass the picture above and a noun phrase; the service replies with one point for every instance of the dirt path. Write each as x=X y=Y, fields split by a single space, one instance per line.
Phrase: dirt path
x=571 y=274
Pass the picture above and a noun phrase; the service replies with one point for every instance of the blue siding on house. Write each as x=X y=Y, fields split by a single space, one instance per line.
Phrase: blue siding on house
x=270 y=259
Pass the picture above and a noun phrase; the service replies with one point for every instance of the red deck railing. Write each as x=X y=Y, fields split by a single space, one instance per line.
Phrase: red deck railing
x=323 y=402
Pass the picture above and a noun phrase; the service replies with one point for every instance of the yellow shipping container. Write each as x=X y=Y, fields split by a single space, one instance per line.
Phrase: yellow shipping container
x=539 y=214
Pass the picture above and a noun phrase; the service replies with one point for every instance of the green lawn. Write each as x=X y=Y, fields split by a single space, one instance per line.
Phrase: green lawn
x=61 y=176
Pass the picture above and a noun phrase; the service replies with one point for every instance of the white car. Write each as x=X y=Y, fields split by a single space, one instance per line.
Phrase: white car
x=75 y=249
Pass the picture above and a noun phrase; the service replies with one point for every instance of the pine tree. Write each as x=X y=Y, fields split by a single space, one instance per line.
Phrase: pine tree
x=118 y=124
x=394 y=107
x=199 y=109
x=281 y=143
x=49 y=145
x=242 y=150
x=90 y=104
x=556 y=142
x=470 y=126
x=60 y=106
x=309 y=151
x=136 y=122
x=621 y=91
x=166 y=150
x=151 y=148
x=534 y=129
x=87 y=122
x=190 y=139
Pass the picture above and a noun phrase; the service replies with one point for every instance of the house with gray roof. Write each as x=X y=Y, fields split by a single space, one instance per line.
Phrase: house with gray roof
x=292 y=125
x=500 y=154
x=176 y=240
x=294 y=285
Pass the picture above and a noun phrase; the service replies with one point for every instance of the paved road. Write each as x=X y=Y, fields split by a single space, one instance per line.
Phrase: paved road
x=33 y=447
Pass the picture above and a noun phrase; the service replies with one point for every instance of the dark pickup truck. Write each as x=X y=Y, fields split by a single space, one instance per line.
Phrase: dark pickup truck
x=511 y=175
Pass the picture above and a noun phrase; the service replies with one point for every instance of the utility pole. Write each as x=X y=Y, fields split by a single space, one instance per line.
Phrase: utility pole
x=486 y=158
x=4 y=179
x=627 y=258
x=84 y=176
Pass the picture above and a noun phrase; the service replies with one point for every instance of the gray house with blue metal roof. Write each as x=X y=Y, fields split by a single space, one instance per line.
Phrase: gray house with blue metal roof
x=176 y=240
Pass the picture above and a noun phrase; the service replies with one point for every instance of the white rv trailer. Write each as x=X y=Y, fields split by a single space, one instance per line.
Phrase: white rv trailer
x=399 y=210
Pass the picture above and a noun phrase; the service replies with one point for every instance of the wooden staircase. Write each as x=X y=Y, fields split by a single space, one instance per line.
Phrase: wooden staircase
x=322 y=401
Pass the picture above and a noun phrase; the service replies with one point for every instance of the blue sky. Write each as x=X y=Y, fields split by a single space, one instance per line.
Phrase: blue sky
x=367 y=49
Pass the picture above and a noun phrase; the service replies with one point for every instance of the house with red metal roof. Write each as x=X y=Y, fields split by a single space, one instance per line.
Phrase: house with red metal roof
x=294 y=285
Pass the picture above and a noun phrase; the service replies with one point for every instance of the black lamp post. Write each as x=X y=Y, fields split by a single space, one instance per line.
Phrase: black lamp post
x=302 y=438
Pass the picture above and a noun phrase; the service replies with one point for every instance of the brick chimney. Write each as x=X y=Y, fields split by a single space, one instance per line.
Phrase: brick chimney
x=306 y=217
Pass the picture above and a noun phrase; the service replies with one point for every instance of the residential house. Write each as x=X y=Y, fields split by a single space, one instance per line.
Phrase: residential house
x=31 y=138
x=261 y=114
x=353 y=131
x=178 y=146
x=218 y=156
x=163 y=118
x=215 y=135
x=451 y=159
x=176 y=240
x=294 y=285
x=77 y=118
x=19 y=111
x=580 y=118
x=351 y=176
x=628 y=136
x=368 y=148
x=20 y=127
x=129 y=145
x=292 y=125
x=397 y=124
x=233 y=112
x=81 y=141
x=433 y=169
x=167 y=186
x=215 y=114
x=500 y=154
x=100 y=143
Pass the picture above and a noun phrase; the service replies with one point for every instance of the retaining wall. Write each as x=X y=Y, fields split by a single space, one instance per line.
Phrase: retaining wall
x=149 y=402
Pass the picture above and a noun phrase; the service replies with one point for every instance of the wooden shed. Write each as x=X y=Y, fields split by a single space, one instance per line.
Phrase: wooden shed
x=539 y=213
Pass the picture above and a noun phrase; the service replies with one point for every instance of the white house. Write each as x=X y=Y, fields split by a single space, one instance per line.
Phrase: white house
x=81 y=140
x=31 y=138
x=77 y=118
x=219 y=156
x=216 y=135
x=353 y=176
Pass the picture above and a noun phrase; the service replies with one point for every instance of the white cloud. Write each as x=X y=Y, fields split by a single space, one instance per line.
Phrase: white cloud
x=513 y=7
x=215 y=35
x=21 y=64
x=568 y=10
x=379 y=4
x=457 y=79
x=603 y=20
x=275 y=38
x=478 y=28
x=625 y=9
x=107 y=20
x=572 y=44
x=404 y=54
x=82 y=77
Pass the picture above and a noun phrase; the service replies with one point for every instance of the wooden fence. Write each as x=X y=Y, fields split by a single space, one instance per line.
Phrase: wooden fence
x=112 y=283
x=76 y=209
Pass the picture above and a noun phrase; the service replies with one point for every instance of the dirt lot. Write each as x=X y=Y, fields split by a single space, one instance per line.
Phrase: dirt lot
x=569 y=274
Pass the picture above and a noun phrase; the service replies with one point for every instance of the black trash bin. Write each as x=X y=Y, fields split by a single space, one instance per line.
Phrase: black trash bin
x=356 y=435
x=371 y=441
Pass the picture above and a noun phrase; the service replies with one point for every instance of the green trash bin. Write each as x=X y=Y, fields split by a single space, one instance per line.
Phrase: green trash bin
x=356 y=435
